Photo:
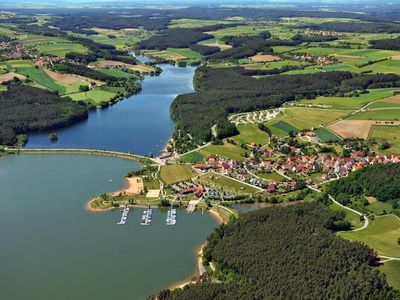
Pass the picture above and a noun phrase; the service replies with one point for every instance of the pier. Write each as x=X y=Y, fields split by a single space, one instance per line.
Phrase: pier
x=147 y=216
x=192 y=206
x=171 y=216
x=124 y=216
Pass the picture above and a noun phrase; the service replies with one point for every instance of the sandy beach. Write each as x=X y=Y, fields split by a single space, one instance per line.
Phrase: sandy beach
x=216 y=216
x=135 y=186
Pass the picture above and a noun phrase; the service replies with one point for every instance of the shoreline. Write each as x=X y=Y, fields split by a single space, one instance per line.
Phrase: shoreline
x=199 y=257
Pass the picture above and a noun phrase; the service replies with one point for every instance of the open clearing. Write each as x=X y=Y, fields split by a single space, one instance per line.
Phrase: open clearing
x=175 y=173
x=226 y=150
x=391 y=114
x=251 y=134
x=381 y=235
x=264 y=58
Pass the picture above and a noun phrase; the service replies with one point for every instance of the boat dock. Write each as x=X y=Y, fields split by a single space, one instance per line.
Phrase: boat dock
x=124 y=216
x=171 y=216
x=192 y=206
x=147 y=216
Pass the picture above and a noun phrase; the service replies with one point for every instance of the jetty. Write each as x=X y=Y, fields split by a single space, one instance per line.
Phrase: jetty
x=171 y=216
x=124 y=216
x=192 y=206
x=147 y=216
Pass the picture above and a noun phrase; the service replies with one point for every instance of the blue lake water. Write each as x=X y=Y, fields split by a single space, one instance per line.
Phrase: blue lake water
x=140 y=124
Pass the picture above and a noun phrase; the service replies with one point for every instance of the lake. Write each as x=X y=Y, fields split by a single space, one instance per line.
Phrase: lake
x=52 y=248
x=140 y=124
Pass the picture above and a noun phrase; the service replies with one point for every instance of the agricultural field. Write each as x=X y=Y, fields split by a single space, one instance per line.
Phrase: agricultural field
x=51 y=45
x=285 y=127
x=117 y=73
x=389 y=134
x=175 y=173
x=381 y=235
x=226 y=183
x=176 y=54
x=349 y=103
x=40 y=77
x=308 y=118
x=385 y=66
x=391 y=114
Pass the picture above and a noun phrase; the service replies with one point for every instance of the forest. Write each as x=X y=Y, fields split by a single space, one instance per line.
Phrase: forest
x=24 y=109
x=372 y=181
x=223 y=91
x=360 y=27
x=253 y=261
x=386 y=44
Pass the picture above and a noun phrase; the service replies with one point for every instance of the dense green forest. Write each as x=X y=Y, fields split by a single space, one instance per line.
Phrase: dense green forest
x=254 y=261
x=231 y=90
x=381 y=181
x=361 y=27
x=24 y=109
x=386 y=44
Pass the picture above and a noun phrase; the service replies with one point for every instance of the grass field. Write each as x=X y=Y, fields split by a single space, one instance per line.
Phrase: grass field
x=251 y=134
x=226 y=150
x=390 y=134
x=117 y=73
x=384 y=114
x=192 y=157
x=177 y=54
x=386 y=66
x=307 y=118
x=283 y=126
x=97 y=95
x=381 y=235
x=175 y=173
x=226 y=183
x=351 y=103
x=392 y=272
x=51 y=45
x=39 y=76
x=325 y=135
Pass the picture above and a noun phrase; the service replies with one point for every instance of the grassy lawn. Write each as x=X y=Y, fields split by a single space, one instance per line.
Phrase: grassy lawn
x=175 y=173
x=192 y=157
x=226 y=150
x=352 y=217
x=384 y=114
x=251 y=134
x=381 y=235
x=325 y=135
x=226 y=183
x=392 y=272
